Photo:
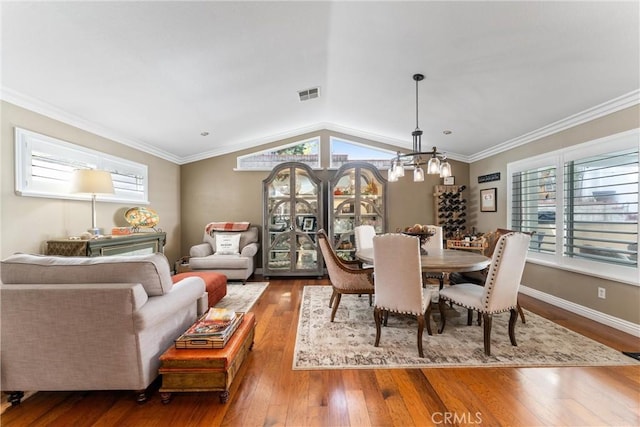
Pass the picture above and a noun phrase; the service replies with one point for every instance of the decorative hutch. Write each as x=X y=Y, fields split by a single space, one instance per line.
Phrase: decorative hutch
x=357 y=196
x=292 y=213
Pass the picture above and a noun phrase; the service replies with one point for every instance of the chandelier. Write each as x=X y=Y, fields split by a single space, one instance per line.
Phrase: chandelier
x=417 y=158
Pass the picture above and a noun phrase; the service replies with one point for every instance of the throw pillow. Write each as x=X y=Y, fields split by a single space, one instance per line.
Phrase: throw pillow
x=227 y=244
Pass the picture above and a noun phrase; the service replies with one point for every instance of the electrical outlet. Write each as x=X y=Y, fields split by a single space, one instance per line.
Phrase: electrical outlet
x=602 y=293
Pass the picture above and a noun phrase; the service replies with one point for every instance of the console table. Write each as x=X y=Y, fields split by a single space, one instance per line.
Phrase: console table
x=132 y=244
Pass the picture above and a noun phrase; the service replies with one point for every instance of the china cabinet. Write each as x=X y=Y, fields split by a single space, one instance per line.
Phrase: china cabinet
x=357 y=196
x=292 y=213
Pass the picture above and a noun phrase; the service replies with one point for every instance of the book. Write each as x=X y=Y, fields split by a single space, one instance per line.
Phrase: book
x=204 y=334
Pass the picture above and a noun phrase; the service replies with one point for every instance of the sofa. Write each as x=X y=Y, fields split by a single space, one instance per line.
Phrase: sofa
x=227 y=248
x=79 y=323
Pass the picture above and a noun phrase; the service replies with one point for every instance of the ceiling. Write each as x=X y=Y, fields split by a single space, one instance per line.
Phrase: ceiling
x=155 y=75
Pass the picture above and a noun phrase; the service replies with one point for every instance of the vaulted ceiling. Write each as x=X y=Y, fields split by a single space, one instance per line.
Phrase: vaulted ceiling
x=155 y=75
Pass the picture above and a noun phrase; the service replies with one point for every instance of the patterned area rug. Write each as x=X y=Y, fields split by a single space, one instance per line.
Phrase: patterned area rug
x=242 y=297
x=347 y=343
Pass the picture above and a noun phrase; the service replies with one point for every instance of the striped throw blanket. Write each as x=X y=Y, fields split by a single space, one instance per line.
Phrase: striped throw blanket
x=226 y=226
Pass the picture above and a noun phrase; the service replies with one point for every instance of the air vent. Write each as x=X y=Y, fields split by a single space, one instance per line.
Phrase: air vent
x=308 y=94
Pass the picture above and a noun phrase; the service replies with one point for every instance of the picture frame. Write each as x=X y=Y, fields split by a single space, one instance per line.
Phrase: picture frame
x=488 y=200
x=309 y=223
x=450 y=180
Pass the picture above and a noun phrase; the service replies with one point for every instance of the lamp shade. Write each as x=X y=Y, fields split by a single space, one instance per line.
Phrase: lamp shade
x=91 y=181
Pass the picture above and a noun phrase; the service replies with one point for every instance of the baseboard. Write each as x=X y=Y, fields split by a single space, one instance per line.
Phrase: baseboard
x=614 y=322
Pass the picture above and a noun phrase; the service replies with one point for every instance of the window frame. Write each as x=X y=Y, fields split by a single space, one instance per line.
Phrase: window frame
x=617 y=142
x=317 y=166
x=385 y=164
x=79 y=156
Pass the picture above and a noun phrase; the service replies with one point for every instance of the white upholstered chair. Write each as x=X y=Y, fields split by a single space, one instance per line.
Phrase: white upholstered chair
x=364 y=239
x=500 y=292
x=346 y=277
x=398 y=284
x=434 y=244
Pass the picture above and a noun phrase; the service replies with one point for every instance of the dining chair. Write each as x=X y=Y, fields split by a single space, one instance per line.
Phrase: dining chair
x=434 y=243
x=500 y=292
x=346 y=277
x=364 y=239
x=480 y=277
x=398 y=284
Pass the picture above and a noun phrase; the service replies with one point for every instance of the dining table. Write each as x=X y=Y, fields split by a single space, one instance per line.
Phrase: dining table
x=439 y=261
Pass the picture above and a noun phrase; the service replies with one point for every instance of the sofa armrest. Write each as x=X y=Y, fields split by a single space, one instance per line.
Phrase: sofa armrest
x=201 y=250
x=250 y=250
x=184 y=293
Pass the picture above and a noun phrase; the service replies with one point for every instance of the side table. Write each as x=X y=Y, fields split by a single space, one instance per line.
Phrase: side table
x=206 y=369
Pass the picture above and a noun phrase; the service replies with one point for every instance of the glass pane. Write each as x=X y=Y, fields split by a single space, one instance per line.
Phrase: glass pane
x=601 y=214
x=280 y=251
x=343 y=151
x=307 y=254
x=302 y=151
x=305 y=187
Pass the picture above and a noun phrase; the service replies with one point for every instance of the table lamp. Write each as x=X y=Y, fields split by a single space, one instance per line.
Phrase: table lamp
x=92 y=181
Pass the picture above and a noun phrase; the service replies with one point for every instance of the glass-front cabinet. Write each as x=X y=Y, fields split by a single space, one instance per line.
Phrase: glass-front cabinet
x=357 y=196
x=291 y=217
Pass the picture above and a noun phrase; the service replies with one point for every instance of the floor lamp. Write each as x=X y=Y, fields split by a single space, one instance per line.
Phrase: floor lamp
x=92 y=181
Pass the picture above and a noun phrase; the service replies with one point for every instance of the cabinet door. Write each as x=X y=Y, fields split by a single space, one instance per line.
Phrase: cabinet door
x=357 y=197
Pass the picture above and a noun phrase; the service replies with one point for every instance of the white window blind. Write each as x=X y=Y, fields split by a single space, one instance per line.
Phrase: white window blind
x=44 y=166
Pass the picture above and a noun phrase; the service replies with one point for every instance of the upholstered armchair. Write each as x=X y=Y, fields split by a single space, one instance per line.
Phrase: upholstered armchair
x=229 y=248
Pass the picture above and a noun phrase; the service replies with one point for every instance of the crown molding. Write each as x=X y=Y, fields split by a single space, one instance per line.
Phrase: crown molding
x=625 y=101
x=46 y=109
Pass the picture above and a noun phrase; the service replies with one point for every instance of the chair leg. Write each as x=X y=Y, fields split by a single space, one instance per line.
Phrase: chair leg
x=420 y=331
x=427 y=315
x=442 y=305
x=336 y=303
x=521 y=313
x=370 y=300
x=333 y=296
x=469 y=317
x=386 y=317
x=479 y=318
x=512 y=326
x=487 y=319
x=377 y=316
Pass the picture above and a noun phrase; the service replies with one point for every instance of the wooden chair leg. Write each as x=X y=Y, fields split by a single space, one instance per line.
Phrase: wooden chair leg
x=469 y=316
x=377 y=316
x=513 y=319
x=333 y=296
x=420 y=331
x=336 y=303
x=428 y=319
x=521 y=313
x=487 y=319
x=370 y=300
x=442 y=305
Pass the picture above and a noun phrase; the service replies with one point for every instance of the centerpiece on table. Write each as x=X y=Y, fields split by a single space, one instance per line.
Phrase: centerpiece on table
x=423 y=232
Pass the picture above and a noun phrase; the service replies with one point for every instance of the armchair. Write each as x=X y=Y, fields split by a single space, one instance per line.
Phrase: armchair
x=227 y=248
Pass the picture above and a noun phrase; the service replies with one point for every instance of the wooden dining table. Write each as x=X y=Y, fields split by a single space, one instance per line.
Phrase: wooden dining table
x=440 y=261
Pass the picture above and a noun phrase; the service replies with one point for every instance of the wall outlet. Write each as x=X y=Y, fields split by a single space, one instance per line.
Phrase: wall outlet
x=602 y=293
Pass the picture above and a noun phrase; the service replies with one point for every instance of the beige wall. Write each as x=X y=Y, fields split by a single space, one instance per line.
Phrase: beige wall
x=622 y=299
x=212 y=191
x=27 y=222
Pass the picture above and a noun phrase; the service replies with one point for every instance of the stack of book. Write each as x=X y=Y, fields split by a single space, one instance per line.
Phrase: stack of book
x=212 y=330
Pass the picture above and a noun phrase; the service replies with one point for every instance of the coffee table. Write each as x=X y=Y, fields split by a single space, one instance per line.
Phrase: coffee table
x=205 y=369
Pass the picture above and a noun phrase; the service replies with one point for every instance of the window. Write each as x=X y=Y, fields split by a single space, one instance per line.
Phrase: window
x=582 y=204
x=44 y=166
x=306 y=152
x=343 y=151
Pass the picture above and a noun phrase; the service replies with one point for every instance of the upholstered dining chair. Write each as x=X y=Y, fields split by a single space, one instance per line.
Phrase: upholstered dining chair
x=500 y=292
x=364 y=239
x=346 y=277
x=434 y=243
x=398 y=283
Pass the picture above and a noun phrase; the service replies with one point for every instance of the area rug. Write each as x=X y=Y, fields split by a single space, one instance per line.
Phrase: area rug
x=242 y=297
x=347 y=343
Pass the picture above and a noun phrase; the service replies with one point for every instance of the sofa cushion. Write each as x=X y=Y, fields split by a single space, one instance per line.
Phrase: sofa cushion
x=220 y=262
x=246 y=237
x=151 y=271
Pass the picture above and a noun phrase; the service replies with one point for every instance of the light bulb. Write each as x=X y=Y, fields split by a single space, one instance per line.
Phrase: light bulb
x=433 y=166
x=445 y=169
x=418 y=174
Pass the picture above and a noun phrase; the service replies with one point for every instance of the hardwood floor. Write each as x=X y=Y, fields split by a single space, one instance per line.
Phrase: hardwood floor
x=268 y=393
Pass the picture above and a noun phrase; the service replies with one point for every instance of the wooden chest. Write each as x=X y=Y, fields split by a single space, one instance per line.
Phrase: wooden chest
x=206 y=369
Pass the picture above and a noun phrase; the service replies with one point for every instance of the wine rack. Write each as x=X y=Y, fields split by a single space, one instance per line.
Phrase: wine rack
x=450 y=210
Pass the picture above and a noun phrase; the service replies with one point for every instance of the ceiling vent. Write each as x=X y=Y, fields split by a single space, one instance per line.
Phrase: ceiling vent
x=308 y=94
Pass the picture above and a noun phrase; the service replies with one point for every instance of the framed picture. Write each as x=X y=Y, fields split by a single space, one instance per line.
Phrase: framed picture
x=488 y=202
x=450 y=180
x=309 y=223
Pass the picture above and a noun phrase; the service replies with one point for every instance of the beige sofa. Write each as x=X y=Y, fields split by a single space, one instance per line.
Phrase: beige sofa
x=101 y=323
x=237 y=266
